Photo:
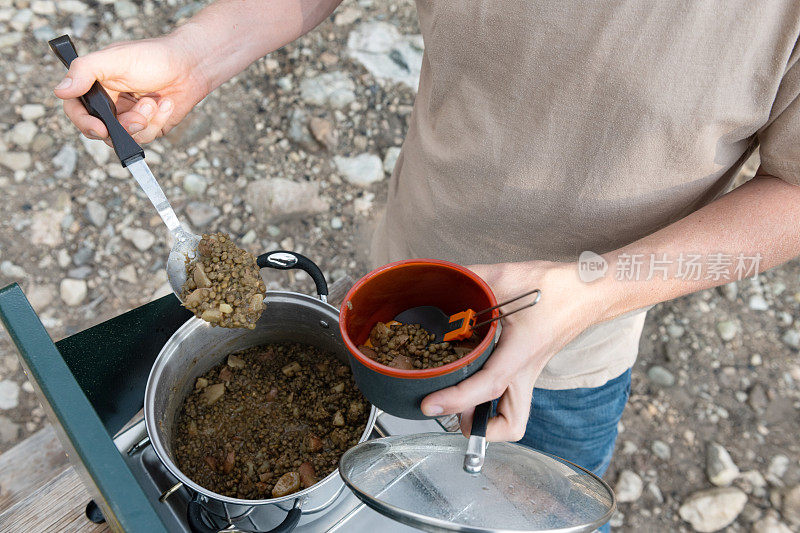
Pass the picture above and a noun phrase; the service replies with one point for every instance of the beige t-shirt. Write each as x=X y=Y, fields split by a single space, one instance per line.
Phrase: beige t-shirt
x=545 y=128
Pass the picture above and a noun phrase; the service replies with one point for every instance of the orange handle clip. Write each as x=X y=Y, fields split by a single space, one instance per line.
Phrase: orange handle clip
x=464 y=329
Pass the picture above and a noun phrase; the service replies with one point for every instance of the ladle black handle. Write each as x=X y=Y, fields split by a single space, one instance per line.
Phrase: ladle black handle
x=285 y=260
x=194 y=515
x=481 y=419
x=99 y=104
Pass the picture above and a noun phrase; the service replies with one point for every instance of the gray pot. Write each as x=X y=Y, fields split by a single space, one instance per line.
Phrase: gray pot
x=194 y=349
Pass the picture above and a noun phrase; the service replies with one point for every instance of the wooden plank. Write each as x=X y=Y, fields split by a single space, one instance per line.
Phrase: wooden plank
x=57 y=506
x=29 y=465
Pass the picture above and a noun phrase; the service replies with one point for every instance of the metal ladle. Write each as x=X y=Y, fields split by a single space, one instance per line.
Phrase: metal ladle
x=131 y=155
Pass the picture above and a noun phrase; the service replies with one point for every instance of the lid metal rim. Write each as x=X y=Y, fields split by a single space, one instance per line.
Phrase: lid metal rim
x=421 y=521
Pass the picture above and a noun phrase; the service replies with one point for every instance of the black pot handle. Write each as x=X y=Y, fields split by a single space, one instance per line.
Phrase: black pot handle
x=196 y=524
x=481 y=419
x=285 y=260
x=99 y=104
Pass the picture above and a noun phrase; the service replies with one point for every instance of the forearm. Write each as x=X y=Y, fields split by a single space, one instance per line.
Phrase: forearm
x=228 y=35
x=757 y=223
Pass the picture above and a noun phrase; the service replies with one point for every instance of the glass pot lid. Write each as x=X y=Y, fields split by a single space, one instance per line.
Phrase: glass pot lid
x=419 y=480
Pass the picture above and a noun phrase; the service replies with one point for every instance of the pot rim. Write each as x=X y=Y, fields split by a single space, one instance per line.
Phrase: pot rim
x=490 y=337
x=189 y=327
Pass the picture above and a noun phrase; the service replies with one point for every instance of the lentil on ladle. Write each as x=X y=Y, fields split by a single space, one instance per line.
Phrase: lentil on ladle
x=223 y=285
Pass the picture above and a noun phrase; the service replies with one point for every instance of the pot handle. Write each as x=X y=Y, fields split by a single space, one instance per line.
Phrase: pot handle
x=285 y=260
x=196 y=524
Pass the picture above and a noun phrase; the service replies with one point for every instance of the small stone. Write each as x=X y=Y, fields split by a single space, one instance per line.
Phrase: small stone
x=790 y=509
x=361 y=170
x=758 y=398
x=661 y=376
x=98 y=150
x=72 y=6
x=285 y=83
x=720 y=468
x=128 y=274
x=249 y=237
x=46 y=227
x=83 y=256
x=43 y=7
x=346 y=16
x=140 y=238
x=770 y=524
x=201 y=214
x=32 y=111
x=65 y=161
x=792 y=338
x=758 y=303
x=629 y=486
x=22 y=133
x=195 y=184
x=323 y=132
x=277 y=199
x=126 y=9
x=273 y=230
x=12 y=271
x=777 y=468
x=44 y=33
x=9 y=39
x=9 y=430
x=299 y=132
x=387 y=54
x=752 y=482
x=713 y=509
x=617 y=520
x=727 y=330
x=40 y=296
x=755 y=359
x=41 y=142
x=73 y=291
x=655 y=492
x=16 y=160
x=363 y=204
x=390 y=159
x=730 y=291
x=82 y=272
x=96 y=213
x=333 y=88
x=662 y=450
x=336 y=223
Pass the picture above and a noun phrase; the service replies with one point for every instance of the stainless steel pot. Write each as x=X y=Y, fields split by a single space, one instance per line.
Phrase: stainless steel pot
x=196 y=347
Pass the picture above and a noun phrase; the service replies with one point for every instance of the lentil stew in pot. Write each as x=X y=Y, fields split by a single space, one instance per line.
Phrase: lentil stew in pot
x=411 y=347
x=269 y=421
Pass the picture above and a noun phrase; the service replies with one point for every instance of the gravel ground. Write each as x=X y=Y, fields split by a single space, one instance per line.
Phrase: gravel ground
x=316 y=125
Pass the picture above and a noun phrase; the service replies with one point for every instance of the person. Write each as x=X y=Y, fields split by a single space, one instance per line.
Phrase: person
x=584 y=149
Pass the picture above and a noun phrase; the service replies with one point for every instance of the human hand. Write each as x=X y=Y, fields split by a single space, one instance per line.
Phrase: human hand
x=528 y=341
x=153 y=83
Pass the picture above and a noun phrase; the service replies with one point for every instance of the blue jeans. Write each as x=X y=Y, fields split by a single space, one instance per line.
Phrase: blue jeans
x=579 y=425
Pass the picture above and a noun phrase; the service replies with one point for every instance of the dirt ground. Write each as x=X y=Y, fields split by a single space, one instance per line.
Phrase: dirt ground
x=85 y=244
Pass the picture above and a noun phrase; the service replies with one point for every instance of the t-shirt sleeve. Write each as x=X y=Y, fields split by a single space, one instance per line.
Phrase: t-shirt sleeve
x=779 y=139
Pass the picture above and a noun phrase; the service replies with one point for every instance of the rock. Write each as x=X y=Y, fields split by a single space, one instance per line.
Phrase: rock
x=128 y=274
x=83 y=256
x=655 y=492
x=660 y=376
x=770 y=524
x=126 y=9
x=387 y=54
x=9 y=394
x=161 y=291
x=16 y=160
x=140 y=238
x=727 y=330
x=720 y=468
x=285 y=83
x=675 y=331
x=96 y=213
x=790 y=509
x=73 y=291
x=44 y=33
x=201 y=214
x=98 y=150
x=777 y=468
x=713 y=509
x=758 y=303
x=40 y=296
x=82 y=272
x=41 y=142
x=758 y=398
x=752 y=482
x=21 y=19
x=792 y=338
x=336 y=223
x=195 y=184
x=363 y=204
x=362 y=170
x=249 y=237
x=22 y=133
x=323 y=132
x=277 y=199
x=43 y=7
x=46 y=227
x=9 y=39
x=333 y=88
x=72 y=6
x=9 y=430
x=31 y=111
x=12 y=271
x=65 y=161
x=346 y=16
x=662 y=450
x=629 y=486
x=390 y=159
x=730 y=291
x=298 y=131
